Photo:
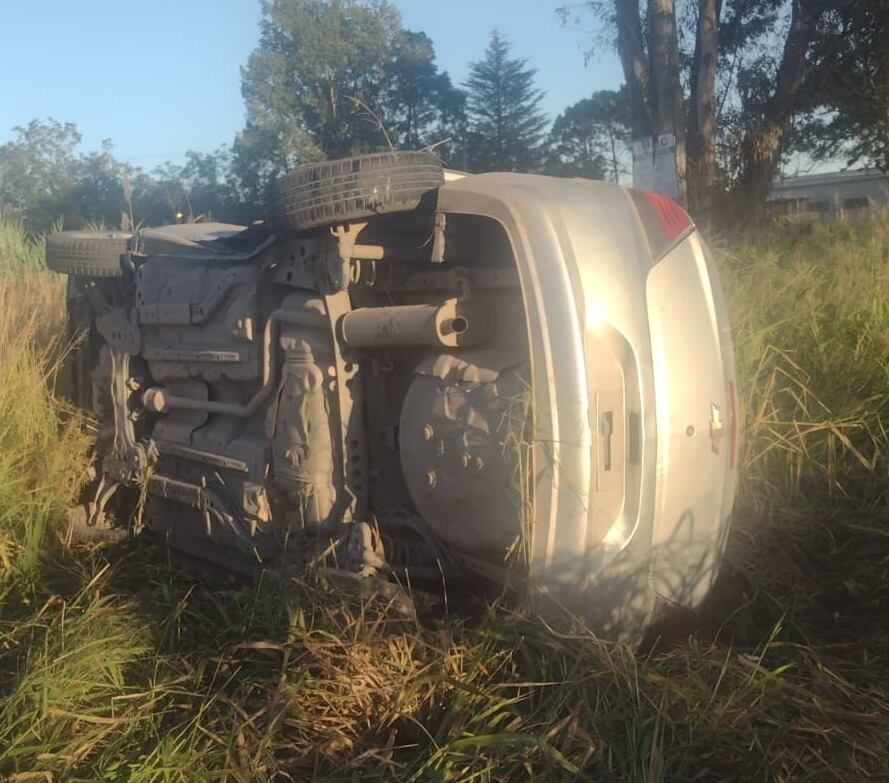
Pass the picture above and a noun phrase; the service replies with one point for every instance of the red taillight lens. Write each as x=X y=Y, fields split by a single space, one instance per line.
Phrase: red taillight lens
x=732 y=426
x=664 y=220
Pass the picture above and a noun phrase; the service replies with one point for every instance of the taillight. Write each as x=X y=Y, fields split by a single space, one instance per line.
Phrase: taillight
x=732 y=425
x=664 y=220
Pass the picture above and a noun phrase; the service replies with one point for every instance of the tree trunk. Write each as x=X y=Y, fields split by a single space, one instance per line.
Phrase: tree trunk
x=635 y=64
x=656 y=96
x=761 y=145
x=702 y=119
x=760 y=151
x=668 y=110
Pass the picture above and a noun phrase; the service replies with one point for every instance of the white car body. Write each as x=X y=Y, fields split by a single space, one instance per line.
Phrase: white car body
x=633 y=376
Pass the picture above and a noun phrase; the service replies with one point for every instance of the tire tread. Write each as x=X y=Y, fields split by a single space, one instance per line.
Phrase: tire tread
x=86 y=254
x=340 y=191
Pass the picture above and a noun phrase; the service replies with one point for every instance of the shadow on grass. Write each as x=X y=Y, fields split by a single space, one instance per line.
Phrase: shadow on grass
x=163 y=674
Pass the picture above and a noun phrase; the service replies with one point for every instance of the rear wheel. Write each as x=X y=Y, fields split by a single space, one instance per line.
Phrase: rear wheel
x=342 y=191
x=87 y=253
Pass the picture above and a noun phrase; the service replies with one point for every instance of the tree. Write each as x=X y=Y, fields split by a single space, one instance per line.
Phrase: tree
x=45 y=179
x=575 y=144
x=846 y=97
x=95 y=192
x=748 y=62
x=420 y=100
x=258 y=156
x=332 y=78
x=313 y=56
x=702 y=128
x=205 y=176
x=590 y=138
x=506 y=126
x=767 y=110
x=650 y=60
x=37 y=169
x=199 y=189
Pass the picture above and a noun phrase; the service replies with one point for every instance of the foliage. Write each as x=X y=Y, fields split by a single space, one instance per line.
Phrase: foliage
x=312 y=57
x=337 y=78
x=424 y=107
x=202 y=188
x=116 y=665
x=506 y=126
x=847 y=95
x=19 y=251
x=44 y=179
x=591 y=138
x=38 y=169
x=792 y=76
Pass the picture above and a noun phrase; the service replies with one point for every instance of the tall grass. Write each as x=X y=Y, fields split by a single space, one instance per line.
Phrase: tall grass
x=114 y=666
x=19 y=252
x=810 y=309
x=41 y=454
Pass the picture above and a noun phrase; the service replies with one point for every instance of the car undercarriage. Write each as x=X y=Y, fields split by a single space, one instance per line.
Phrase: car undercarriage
x=354 y=394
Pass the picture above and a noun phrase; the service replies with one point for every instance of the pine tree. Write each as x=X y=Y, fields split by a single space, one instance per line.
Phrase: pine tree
x=506 y=124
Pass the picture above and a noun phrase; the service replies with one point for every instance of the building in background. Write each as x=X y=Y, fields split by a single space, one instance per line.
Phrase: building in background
x=834 y=195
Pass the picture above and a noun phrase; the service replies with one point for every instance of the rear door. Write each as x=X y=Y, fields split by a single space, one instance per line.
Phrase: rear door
x=694 y=391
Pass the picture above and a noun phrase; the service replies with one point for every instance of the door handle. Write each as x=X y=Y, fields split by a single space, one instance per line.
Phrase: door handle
x=607 y=427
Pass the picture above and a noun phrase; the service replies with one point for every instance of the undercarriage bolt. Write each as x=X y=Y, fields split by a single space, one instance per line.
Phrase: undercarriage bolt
x=153 y=399
x=428 y=432
x=431 y=479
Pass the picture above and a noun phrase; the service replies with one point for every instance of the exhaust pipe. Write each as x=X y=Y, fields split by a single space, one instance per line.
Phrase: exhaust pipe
x=454 y=324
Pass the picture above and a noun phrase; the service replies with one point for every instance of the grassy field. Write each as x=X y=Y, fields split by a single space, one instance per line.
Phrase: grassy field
x=114 y=666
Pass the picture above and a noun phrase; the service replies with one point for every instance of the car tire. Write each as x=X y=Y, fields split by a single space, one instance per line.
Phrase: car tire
x=350 y=189
x=87 y=253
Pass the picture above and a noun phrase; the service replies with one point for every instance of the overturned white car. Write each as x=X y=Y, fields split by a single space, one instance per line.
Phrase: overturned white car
x=505 y=377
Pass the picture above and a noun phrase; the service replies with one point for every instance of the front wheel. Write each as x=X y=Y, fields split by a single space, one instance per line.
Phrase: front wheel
x=87 y=253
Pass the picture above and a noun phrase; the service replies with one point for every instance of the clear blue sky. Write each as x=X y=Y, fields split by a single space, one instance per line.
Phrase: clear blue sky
x=161 y=77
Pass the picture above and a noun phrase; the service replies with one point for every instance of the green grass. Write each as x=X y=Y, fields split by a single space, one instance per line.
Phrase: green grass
x=41 y=454
x=115 y=666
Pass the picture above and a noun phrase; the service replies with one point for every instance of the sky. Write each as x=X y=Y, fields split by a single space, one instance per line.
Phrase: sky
x=163 y=76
